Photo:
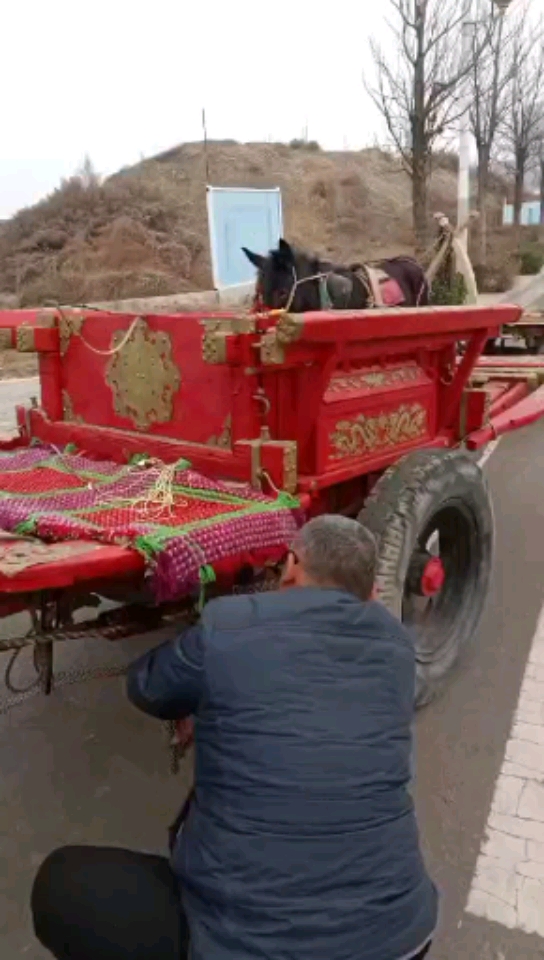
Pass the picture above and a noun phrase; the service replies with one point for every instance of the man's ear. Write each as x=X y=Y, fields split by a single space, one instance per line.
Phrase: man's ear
x=289 y=576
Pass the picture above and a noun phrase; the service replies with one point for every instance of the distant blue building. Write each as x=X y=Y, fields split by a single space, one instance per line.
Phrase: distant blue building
x=530 y=213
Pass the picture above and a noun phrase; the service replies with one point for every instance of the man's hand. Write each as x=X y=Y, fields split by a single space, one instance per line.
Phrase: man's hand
x=167 y=681
x=184 y=735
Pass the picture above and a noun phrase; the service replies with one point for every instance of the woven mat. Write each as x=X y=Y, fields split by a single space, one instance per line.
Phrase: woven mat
x=181 y=521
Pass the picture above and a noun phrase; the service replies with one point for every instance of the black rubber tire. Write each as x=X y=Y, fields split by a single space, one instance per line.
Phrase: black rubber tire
x=398 y=511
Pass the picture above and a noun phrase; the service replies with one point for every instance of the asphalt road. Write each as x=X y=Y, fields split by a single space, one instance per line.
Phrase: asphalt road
x=83 y=766
x=461 y=739
x=13 y=392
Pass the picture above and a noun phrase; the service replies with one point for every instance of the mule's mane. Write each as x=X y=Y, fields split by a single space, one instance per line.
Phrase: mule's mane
x=316 y=264
x=313 y=261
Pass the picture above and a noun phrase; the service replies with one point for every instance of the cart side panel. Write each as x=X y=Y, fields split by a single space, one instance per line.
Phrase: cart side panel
x=358 y=390
x=373 y=411
x=148 y=374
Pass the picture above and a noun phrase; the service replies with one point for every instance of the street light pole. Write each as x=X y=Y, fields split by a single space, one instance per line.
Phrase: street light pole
x=465 y=139
x=463 y=185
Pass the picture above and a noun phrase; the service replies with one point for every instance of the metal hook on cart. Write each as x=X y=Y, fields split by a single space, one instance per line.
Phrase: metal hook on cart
x=261 y=397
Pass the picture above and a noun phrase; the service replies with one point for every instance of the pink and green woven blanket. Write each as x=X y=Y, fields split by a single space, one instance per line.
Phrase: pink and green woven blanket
x=181 y=521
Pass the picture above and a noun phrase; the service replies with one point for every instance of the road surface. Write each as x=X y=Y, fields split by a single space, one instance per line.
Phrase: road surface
x=13 y=392
x=84 y=766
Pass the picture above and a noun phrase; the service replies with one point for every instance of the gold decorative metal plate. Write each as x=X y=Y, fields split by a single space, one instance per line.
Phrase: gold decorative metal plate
x=143 y=376
x=272 y=344
x=217 y=329
x=290 y=466
x=70 y=325
x=229 y=324
x=224 y=439
x=25 y=339
x=214 y=347
x=374 y=379
x=364 y=435
x=46 y=318
x=289 y=328
x=272 y=352
x=68 y=409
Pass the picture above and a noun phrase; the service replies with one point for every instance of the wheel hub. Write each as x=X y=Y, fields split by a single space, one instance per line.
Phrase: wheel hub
x=426 y=576
x=433 y=577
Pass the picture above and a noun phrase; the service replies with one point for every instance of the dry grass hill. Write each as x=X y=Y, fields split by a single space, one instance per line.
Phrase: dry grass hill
x=143 y=231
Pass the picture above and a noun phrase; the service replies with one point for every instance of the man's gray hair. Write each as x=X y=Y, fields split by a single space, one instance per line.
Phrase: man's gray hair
x=340 y=552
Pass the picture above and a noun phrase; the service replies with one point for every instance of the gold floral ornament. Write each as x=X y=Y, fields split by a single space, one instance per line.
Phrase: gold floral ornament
x=374 y=378
x=143 y=376
x=365 y=435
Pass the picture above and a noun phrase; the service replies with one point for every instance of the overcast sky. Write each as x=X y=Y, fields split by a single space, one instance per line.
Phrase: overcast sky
x=122 y=79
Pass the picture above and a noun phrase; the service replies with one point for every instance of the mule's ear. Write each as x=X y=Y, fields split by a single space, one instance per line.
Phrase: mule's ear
x=286 y=251
x=255 y=258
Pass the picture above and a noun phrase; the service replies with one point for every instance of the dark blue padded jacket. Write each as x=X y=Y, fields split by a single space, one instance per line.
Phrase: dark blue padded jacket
x=301 y=842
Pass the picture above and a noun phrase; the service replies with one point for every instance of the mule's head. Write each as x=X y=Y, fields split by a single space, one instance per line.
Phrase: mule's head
x=282 y=279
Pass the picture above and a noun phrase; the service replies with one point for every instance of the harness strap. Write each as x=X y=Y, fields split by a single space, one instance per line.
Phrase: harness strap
x=374 y=280
x=324 y=295
x=361 y=271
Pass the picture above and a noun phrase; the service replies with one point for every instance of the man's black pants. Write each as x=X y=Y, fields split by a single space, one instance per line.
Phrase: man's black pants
x=105 y=903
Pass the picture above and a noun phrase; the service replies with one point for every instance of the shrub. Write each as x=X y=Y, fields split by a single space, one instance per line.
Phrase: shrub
x=299 y=144
x=449 y=295
x=531 y=259
x=494 y=278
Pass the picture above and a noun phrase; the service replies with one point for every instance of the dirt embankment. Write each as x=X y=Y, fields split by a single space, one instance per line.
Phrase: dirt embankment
x=143 y=232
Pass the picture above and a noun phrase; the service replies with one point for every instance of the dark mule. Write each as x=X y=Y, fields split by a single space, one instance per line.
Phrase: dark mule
x=290 y=278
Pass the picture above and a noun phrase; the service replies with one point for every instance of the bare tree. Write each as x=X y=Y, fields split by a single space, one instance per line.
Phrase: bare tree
x=540 y=150
x=87 y=174
x=537 y=166
x=525 y=120
x=490 y=81
x=418 y=87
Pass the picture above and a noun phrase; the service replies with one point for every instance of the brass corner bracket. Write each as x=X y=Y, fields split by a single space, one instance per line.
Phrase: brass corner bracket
x=289 y=460
x=272 y=346
x=25 y=339
x=216 y=331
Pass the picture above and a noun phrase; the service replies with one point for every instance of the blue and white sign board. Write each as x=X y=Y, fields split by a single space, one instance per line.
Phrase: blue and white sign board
x=530 y=214
x=241 y=218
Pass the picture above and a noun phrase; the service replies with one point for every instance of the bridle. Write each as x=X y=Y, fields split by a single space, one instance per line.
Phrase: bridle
x=358 y=272
x=324 y=295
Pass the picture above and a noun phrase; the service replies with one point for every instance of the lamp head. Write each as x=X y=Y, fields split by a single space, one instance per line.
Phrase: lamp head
x=502 y=5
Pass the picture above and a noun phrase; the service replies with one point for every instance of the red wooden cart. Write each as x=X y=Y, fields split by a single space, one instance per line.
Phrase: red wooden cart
x=261 y=420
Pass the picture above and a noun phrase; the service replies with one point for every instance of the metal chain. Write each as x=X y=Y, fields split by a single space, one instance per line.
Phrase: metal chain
x=86 y=630
x=82 y=631
x=8 y=673
x=62 y=679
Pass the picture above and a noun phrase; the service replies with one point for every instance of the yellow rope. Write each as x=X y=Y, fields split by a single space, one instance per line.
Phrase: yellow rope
x=100 y=353
x=160 y=498
x=114 y=350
